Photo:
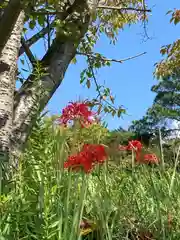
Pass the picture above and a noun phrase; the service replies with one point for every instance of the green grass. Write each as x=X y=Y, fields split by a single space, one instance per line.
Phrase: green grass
x=45 y=202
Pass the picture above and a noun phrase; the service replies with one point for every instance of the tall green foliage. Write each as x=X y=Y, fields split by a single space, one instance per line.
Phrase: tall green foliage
x=47 y=202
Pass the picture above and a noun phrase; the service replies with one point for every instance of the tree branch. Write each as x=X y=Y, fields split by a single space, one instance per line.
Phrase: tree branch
x=61 y=16
x=36 y=37
x=8 y=21
x=123 y=8
x=90 y=64
x=28 y=52
x=1 y=9
x=48 y=25
x=97 y=55
x=42 y=12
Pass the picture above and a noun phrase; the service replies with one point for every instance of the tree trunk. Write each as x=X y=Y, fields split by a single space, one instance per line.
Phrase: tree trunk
x=37 y=90
x=9 y=58
x=8 y=21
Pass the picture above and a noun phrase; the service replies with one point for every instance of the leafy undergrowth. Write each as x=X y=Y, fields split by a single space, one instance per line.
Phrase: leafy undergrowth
x=46 y=201
x=70 y=185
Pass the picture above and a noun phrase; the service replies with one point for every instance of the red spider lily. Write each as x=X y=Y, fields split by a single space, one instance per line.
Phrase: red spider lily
x=146 y=158
x=96 y=152
x=151 y=158
x=122 y=148
x=78 y=162
x=90 y=155
x=134 y=145
x=137 y=147
x=77 y=111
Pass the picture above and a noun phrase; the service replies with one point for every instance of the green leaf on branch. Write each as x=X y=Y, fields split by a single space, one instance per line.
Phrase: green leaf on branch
x=41 y=20
x=88 y=83
x=32 y=24
x=120 y=112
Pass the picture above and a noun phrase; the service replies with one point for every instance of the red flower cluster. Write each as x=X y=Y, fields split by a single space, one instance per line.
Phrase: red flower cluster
x=90 y=155
x=77 y=111
x=151 y=158
x=134 y=145
x=137 y=147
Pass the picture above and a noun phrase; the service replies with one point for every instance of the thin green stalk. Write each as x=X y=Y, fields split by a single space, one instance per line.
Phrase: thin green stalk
x=158 y=205
x=82 y=200
x=133 y=159
x=161 y=149
x=66 y=207
x=1 y=177
x=174 y=172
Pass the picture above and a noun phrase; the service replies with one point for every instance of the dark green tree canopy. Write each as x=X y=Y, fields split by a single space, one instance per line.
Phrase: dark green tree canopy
x=167 y=100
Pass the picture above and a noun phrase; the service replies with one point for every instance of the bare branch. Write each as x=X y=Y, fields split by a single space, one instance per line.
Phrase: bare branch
x=90 y=64
x=144 y=21
x=42 y=12
x=36 y=37
x=1 y=9
x=123 y=8
x=28 y=51
x=97 y=55
x=8 y=20
x=48 y=25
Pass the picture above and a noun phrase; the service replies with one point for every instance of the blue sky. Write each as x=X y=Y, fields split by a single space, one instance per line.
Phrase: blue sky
x=131 y=81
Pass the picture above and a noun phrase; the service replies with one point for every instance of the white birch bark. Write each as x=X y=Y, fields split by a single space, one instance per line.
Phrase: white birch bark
x=8 y=21
x=9 y=58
